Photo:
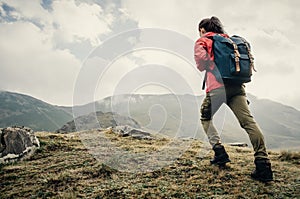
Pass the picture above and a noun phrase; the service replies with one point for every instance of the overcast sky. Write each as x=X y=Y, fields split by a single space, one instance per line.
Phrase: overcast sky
x=46 y=44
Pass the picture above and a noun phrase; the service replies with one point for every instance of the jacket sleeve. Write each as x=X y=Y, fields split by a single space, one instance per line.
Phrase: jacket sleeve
x=201 y=55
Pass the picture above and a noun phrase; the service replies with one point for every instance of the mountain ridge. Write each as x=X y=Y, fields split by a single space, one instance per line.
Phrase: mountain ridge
x=161 y=113
x=23 y=110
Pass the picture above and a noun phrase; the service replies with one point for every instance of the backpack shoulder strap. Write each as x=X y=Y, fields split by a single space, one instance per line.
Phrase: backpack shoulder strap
x=204 y=80
x=205 y=76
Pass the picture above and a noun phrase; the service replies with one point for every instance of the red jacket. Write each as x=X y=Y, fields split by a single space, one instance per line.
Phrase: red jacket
x=204 y=58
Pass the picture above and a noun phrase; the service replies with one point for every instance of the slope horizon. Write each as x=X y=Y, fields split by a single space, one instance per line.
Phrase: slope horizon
x=140 y=94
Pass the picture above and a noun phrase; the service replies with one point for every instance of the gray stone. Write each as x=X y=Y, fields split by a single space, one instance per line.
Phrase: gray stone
x=97 y=120
x=17 y=143
x=239 y=144
x=133 y=132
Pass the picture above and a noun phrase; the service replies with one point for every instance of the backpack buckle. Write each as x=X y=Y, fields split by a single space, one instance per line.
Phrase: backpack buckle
x=237 y=53
x=237 y=60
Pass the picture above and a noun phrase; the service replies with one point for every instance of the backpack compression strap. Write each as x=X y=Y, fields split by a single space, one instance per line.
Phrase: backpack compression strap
x=236 y=56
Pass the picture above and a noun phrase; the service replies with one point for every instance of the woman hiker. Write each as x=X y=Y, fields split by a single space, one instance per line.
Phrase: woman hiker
x=234 y=96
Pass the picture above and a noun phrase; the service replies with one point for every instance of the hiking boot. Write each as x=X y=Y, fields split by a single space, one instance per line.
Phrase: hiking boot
x=263 y=171
x=221 y=157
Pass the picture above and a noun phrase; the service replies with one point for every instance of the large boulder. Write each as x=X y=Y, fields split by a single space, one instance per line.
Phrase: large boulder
x=17 y=143
x=97 y=120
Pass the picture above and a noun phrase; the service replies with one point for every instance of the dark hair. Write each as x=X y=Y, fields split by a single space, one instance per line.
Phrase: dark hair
x=212 y=24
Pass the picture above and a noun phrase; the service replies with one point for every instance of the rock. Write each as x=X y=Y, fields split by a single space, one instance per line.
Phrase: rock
x=133 y=132
x=239 y=144
x=97 y=120
x=17 y=143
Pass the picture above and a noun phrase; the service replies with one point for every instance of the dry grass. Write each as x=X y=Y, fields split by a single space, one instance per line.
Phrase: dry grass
x=63 y=168
x=291 y=156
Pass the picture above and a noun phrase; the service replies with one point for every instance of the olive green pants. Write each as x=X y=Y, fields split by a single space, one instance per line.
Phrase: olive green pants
x=235 y=97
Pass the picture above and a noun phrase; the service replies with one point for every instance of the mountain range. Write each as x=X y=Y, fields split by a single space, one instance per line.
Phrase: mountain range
x=171 y=115
x=23 y=110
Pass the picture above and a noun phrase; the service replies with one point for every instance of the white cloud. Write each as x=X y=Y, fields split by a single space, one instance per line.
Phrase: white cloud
x=176 y=66
x=68 y=21
x=2 y=12
x=270 y=26
x=112 y=75
x=30 y=65
x=79 y=22
x=36 y=51
x=181 y=16
x=30 y=60
x=29 y=9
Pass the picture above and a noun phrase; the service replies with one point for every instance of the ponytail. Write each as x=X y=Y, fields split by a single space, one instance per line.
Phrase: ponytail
x=212 y=24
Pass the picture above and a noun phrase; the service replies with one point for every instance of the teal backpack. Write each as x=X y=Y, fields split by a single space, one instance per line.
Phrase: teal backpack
x=233 y=60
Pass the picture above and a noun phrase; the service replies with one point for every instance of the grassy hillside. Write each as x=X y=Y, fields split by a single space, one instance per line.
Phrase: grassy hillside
x=63 y=168
x=23 y=110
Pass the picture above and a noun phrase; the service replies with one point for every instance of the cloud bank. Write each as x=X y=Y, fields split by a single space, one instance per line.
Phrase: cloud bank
x=44 y=43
